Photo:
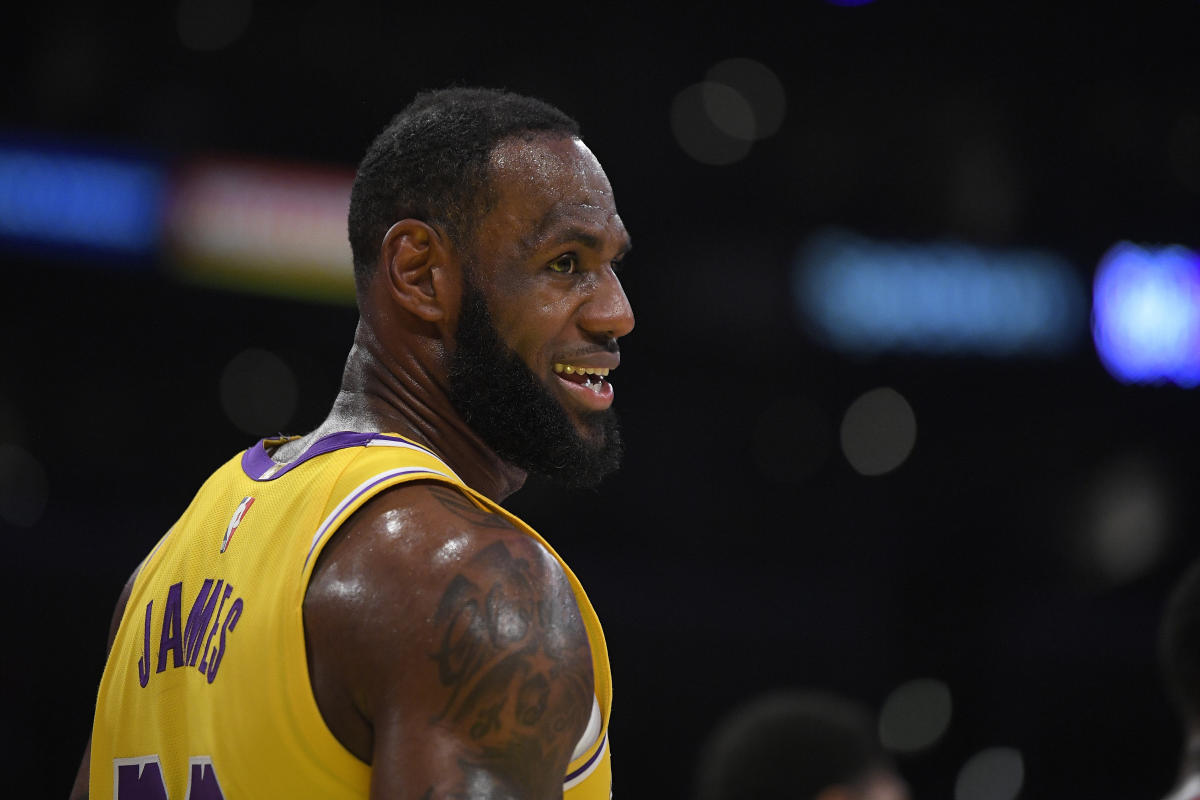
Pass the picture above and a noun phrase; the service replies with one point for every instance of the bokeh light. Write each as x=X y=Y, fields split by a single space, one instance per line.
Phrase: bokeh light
x=915 y=715
x=1146 y=313
x=258 y=392
x=996 y=773
x=698 y=134
x=1127 y=520
x=728 y=110
x=263 y=226
x=878 y=431
x=759 y=88
x=717 y=120
x=54 y=196
x=939 y=298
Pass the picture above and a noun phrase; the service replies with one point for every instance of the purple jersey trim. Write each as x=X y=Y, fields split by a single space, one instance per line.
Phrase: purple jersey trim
x=258 y=464
x=585 y=766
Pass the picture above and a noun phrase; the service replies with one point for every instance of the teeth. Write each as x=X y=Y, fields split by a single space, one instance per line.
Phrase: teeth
x=570 y=369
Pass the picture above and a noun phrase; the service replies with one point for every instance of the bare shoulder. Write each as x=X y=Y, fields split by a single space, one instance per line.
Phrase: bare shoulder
x=427 y=535
x=427 y=614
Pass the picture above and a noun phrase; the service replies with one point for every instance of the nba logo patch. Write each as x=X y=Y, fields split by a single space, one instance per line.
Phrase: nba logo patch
x=238 y=516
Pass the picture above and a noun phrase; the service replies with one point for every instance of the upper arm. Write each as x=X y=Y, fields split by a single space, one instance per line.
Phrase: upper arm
x=458 y=641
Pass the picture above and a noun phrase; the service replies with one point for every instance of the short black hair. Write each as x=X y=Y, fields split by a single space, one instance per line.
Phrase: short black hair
x=789 y=744
x=431 y=163
x=1179 y=645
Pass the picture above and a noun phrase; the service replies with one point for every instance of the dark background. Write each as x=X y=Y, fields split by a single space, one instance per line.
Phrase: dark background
x=714 y=579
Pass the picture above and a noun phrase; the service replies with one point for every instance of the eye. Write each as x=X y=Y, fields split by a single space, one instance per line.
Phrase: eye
x=564 y=264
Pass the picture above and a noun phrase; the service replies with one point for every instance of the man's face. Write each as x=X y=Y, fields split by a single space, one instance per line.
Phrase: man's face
x=542 y=311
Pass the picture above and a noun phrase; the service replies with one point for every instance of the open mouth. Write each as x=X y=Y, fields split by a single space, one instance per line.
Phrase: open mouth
x=594 y=378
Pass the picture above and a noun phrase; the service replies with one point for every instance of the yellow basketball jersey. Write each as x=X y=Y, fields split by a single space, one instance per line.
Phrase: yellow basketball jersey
x=206 y=692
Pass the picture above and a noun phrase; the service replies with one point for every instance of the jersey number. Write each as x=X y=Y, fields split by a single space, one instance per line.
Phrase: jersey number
x=140 y=778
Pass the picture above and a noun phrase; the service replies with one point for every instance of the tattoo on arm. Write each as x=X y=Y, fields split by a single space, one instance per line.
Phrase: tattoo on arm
x=513 y=659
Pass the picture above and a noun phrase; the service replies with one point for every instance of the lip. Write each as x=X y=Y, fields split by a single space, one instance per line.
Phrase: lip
x=580 y=394
x=586 y=397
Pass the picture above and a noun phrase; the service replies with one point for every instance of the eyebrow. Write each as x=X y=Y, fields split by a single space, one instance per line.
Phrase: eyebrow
x=575 y=233
x=589 y=239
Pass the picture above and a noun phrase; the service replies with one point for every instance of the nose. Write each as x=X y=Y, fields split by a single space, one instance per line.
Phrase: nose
x=607 y=311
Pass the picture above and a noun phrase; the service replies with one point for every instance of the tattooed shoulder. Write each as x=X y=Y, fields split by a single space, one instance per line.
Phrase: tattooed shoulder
x=512 y=659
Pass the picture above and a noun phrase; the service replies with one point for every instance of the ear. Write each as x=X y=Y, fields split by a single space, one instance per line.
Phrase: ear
x=416 y=269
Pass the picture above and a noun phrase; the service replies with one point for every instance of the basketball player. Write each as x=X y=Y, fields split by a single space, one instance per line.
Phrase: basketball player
x=351 y=613
x=1179 y=656
x=801 y=744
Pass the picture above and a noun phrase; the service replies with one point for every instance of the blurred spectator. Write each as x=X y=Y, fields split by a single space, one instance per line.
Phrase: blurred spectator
x=1179 y=656
x=797 y=745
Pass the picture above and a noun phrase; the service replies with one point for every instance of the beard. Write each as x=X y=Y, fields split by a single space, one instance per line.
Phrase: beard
x=516 y=415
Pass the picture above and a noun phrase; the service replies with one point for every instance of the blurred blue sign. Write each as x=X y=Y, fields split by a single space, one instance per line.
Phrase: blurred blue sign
x=942 y=298
x=56 y=198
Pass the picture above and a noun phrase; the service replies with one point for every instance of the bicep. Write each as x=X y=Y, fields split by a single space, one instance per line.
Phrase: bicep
x=510 y=680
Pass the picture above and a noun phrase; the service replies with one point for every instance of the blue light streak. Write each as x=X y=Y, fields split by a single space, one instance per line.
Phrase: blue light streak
x=864 y=296
x=57 y=198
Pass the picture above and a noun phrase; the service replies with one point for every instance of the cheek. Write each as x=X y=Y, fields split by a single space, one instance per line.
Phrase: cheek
x=532 y=342
x=533 y=329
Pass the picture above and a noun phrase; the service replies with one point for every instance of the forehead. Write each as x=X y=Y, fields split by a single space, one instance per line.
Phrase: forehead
x=547 y=184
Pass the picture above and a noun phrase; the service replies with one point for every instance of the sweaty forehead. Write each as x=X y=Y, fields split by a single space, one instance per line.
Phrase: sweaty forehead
x=550 y=169
x=545 y=159
x=549 y=181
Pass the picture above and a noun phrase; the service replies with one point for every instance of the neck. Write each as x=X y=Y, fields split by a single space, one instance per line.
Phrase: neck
x=390 y=393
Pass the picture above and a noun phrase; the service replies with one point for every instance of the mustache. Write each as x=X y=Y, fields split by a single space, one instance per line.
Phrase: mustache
x=607 y=346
